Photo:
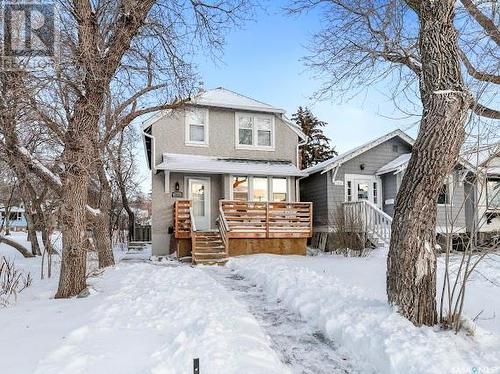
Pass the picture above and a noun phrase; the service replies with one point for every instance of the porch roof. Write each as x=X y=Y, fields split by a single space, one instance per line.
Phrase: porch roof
x=221 y=165
x=396 y=165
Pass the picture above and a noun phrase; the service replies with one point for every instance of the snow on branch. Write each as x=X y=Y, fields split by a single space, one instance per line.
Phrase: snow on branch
x=33 y=162
x=95 y=212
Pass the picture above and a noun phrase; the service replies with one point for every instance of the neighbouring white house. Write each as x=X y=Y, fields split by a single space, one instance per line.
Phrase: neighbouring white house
x=16 y=219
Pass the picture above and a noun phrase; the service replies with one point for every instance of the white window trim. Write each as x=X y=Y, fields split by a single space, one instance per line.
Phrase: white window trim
x=187 y=140
x=449 y=181
x=487 y=194
x=254 y=146
x=371 y=178
x=269 y=187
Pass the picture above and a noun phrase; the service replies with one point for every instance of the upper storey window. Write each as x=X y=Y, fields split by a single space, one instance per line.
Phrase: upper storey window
x=197 y=126
x=254 y=131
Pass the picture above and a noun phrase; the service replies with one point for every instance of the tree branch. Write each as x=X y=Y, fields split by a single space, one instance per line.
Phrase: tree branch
x=479 y=75
x=484 y=111
x=488 y=25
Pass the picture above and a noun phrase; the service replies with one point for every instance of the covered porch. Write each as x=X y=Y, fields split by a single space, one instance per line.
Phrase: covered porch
x=243 y=227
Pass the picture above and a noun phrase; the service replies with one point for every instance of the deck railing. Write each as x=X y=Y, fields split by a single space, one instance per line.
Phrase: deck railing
x=246 y=219
x=182 y=219
x=372 y=220
x=223 y=230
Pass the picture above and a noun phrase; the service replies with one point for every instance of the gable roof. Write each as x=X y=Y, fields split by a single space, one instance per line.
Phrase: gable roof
x=397 y=165
x=221 y=97
x=346 y=156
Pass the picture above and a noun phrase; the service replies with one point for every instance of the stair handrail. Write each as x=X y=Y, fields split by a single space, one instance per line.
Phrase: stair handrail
x=379 y=223
x=378 y=210
x=191 y=217
x=223 y=229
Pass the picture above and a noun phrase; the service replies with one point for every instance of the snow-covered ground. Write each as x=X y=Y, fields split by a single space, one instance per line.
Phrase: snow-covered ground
x=141 y=317
x=259 y=314
x=345 y=299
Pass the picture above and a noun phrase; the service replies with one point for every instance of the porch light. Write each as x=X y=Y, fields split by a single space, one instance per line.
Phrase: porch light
x=362 y=166
x=177 y=186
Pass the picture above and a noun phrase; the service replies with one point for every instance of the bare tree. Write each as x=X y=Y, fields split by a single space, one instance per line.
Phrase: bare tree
x=414 y=41
x=126 y=49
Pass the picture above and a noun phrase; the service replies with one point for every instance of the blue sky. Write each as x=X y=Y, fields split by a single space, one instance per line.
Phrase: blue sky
x=262 y=60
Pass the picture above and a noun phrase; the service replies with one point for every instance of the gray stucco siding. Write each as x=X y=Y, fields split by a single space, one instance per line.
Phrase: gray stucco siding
x=170 y=133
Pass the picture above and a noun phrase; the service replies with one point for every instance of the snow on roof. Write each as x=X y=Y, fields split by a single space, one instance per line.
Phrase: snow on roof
x=223 y=98
x=13 y=209
x=397 y=164
x=343 y=157
x=220 y=165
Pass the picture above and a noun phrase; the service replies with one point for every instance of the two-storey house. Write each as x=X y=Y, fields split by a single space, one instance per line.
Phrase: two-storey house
x=225 y=179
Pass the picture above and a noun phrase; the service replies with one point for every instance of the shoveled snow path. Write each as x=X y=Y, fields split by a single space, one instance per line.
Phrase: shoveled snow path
x=305 y=350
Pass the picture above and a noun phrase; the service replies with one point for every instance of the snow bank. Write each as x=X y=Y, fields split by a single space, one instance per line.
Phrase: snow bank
x=374 y=334
x=139 y=318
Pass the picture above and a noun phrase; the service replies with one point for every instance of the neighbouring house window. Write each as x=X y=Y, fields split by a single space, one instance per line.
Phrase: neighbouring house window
x=240 y=188
x=375 y=193
x=197 y=126
x=444 y=194
x=259 y=189
x=349 y=191
x=395 y=148
x=249 y=188
x=279 y=186
x=254 y=131
x=493 y=193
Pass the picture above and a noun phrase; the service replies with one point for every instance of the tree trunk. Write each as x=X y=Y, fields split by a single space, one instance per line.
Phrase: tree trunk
x=411 y=263
x=102 y=221
x=30 y=222
x=16 y=245
x=78 y=157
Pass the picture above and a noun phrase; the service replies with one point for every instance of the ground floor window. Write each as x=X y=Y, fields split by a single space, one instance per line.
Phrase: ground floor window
x=493 y=193
x=240 y=188
x=253 y=188
x=444 y=194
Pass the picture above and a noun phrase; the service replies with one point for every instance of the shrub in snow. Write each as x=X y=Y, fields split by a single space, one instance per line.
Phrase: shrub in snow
x=12 y=281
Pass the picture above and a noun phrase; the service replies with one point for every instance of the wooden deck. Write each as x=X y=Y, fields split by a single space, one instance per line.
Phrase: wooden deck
x=253 y=220
x=182 y=219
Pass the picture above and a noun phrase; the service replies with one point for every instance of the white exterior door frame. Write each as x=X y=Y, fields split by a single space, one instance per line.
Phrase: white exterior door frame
x=202 y=222
x=360 y=182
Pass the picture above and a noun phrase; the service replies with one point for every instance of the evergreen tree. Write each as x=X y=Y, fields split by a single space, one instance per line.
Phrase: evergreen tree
x=317 y=147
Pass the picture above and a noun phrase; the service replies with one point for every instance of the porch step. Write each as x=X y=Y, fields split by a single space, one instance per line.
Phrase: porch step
x=219 y=262
x=208 y=248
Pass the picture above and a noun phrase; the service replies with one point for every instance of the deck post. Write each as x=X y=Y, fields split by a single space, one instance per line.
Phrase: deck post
x=267 y=219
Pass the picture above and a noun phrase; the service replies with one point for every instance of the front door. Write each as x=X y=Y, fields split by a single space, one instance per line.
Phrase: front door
x=199 y=194
x=363 y=187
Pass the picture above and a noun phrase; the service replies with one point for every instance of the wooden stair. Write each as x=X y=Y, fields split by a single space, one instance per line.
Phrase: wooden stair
x=208 y=248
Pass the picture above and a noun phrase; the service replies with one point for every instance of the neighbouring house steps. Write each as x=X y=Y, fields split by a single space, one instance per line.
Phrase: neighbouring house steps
x=208 y=248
